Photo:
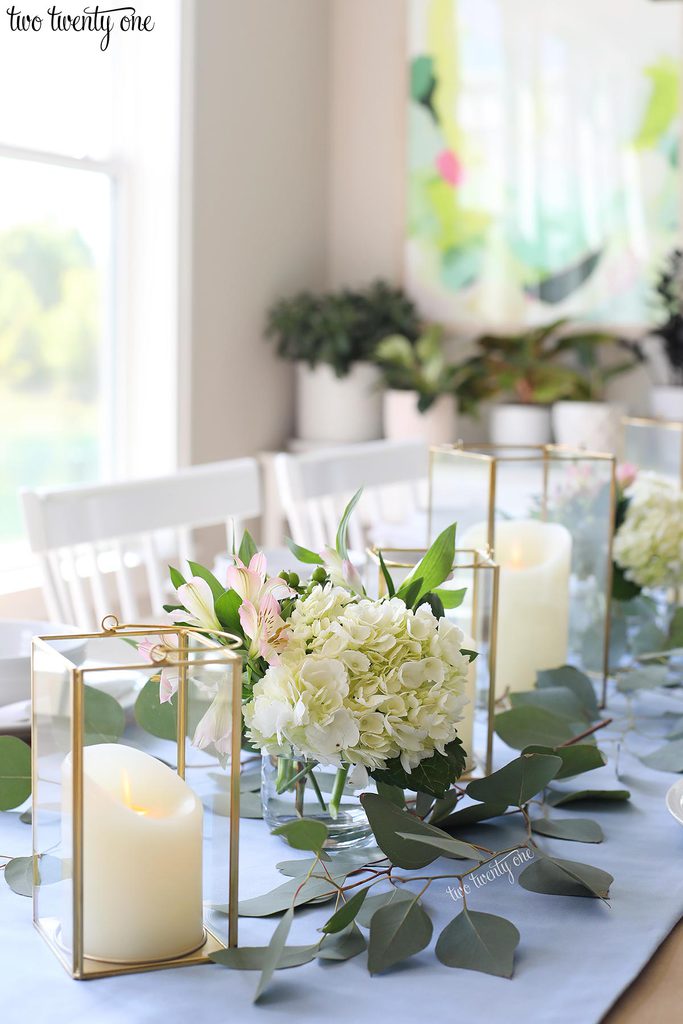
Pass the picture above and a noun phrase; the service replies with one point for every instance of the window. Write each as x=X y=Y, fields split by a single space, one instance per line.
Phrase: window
x=89 y=147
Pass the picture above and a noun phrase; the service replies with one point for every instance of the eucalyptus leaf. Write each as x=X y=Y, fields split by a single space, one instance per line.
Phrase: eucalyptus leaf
x=668 y=758
x=19 y=875
x=523 y=726
x=104 y=720
x=274 y=952
x=648 y=677
x=648 y=639
x=253 y=958
x=479 y=942
x=472 y=815
x=517 y=782
x=303 y=834
x=278 y=899
x=346 y=913
x=374 y=903
x=448 y=847
x=675 y=637
x=26 y=817
x=397 y=931
x=394 y=794
x=343 y=946
x=557 y=798
x=390 y=825
x=15 y=772
x=576 y=759
x=556 y=699
x=554 y=877
x=442 y=808
x=157 y=719
x=578 y=682
x=577 y=830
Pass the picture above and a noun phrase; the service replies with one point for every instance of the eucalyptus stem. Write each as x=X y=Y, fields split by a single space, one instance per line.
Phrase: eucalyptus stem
x=338 y=790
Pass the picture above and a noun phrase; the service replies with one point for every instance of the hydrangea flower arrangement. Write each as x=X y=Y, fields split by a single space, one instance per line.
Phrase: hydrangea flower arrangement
x=648 y=545
x=373 y=686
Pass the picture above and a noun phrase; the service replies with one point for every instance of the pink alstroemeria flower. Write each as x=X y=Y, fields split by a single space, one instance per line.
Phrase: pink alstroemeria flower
x=215 y=726
x=168 y=681
x=196 y=597
x=251 y=582
x=342 y=571
x=626 y=474
x=265 y=627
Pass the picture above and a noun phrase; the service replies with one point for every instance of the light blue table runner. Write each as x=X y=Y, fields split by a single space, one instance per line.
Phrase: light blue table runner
x=575 y=958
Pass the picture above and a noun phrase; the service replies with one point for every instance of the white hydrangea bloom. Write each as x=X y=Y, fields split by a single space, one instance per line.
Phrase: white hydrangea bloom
x=361 y=682
x=649 y=544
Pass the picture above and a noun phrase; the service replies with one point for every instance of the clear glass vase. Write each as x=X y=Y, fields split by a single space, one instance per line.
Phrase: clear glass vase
x=294 y=788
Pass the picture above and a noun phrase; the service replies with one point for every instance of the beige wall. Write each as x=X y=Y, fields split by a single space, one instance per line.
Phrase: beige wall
x=259 y=209
x=367 y=140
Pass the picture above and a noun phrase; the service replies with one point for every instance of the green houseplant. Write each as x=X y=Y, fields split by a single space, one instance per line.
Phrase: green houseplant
x=667 y=398
x=419 y=400
x=332 y=339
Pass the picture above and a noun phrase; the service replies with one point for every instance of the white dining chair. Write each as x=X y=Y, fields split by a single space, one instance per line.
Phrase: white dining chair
x=105 y=548
x=314 y=487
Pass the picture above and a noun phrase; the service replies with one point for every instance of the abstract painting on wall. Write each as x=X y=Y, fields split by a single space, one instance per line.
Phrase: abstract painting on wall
x=543 y=147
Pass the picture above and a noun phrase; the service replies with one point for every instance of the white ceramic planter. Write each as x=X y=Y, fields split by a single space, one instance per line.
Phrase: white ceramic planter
x=666 y=401
x=403 y=421
x=595 y=426
x=339 y=410
x=515 y=423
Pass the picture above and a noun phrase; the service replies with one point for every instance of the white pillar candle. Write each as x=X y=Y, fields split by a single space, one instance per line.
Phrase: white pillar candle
x=142 y=856
x=533 y=606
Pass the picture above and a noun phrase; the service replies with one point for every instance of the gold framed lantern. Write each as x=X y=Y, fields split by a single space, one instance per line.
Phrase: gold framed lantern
x=655 y=446
x=475 y=573
x=135 y=843
x=545 y=514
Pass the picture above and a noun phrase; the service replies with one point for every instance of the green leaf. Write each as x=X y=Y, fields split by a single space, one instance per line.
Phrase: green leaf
x=278 y=899
x=19 y=873
x=556 y=798
x=517 y=782
x=205 y=574
x=442 y=808
x=447 y=846
x=411 y=596
x=479 y=942
x=303 y=834
x=177 y=578
x=394 y=794
x=374 y=903
x=397 y=931
x=578 y=830
x=104 y=718
x=390 y=825
x=451 y=598
x=346 y=913
x=554 y=877
x=342 y=531
x=557 y=699
x=391 y=589
x=247 y=549
x=434 y=603
x=649 y=677
x=343 y=946
x=227 y=607
x=15 y=772
x=675 y=638
x=578 y=682
x=253 y=958
x=668 y=758
x=303 y=554
x=472 y=815
x=434 y=775
x=274 y=952
x=435 y=567
x=157 y=719
x=523 y=726
x=577 y=759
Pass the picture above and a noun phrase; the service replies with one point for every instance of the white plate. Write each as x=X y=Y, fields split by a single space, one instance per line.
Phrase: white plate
x=674 y=800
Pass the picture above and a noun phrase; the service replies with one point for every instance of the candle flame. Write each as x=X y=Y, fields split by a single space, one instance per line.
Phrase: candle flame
x=516 y=556
x=127 y=797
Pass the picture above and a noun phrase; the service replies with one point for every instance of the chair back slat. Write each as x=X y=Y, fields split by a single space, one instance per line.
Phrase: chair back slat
x=104 y=549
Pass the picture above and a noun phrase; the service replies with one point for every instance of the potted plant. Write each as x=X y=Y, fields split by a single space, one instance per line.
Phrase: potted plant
x=584 y=418
x=419 y=401
x=524 y=370
x=332 y=339
x=667 y=399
